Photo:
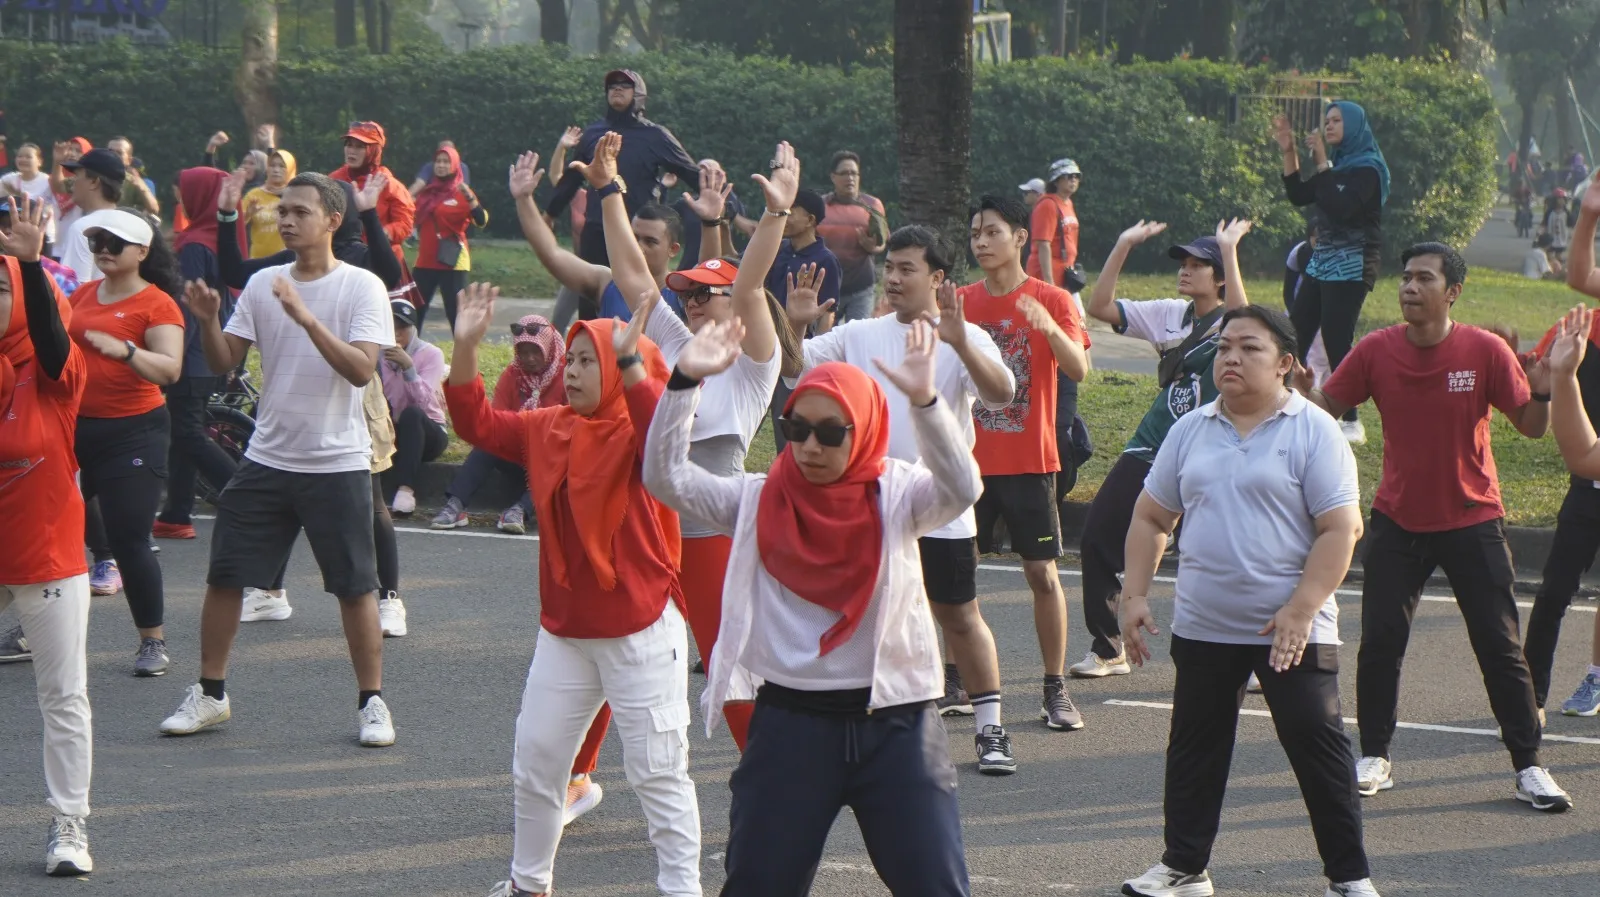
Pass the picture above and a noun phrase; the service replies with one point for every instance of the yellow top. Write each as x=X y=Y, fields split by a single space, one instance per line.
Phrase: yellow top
x=259 y=213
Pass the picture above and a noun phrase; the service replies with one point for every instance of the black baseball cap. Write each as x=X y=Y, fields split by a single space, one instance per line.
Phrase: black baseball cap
x=812 y=202
x=102 y=163
x=404 y=311
x=1203 y=248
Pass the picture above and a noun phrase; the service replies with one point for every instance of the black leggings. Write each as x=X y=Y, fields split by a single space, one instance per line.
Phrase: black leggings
x=1332 y=309
x=123 y=462
x=192 y=452
x=388 y=551
x=431 y=280
x=418 y=439
x=1105 y=532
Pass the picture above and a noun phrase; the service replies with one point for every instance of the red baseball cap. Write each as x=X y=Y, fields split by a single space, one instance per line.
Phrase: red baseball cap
x=710 y=273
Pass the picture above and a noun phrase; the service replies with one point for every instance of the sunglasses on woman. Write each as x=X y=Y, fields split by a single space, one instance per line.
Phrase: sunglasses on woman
x=104 y=241
x=702 y=295
x=519 y=329
x=798 y=430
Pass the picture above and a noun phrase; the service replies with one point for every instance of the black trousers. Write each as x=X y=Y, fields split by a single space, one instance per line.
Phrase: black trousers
x=1105 y=532
x=1066 y=410
x=123 y=465
x=1305 y=710
x=385 y=547
x=191 y=452
x=1332 y=309
x=592 y=249
x=891 y=768
x=438 y=280
x=1477 y=561
x=418 y=439
x=1577 y=540
x=476 y=470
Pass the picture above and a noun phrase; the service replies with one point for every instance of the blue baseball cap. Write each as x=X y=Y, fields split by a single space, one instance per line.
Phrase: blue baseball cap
x=1203 y=248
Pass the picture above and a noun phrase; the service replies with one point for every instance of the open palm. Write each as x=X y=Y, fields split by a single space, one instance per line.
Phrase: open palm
x=525 y=176
x=713 y=350
x=914 y=376
x=474 y=312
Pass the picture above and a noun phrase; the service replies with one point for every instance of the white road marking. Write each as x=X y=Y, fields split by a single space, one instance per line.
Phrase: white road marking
x=1427 y=727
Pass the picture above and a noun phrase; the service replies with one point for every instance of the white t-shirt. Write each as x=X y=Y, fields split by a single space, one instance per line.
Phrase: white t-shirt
x=38 y=188
x=733 y=402
x=858 y=342
x=310 y=419
x=75 y=254
x=1535 y=265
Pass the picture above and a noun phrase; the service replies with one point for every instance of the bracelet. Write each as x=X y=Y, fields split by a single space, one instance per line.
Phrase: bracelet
x=714 y=222
x=777 y=214
x=228 y=217
x=1540 y=396
x=934 y=401
x=627 y=361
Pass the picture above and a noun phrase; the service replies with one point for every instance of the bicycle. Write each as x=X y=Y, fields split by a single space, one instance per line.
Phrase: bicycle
x=230 y=422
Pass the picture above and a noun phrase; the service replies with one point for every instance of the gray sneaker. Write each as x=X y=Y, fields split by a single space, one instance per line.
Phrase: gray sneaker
x=1058 y=711
x=452 y=516
x=14 y=647
x=152 y=659
x=512 y=521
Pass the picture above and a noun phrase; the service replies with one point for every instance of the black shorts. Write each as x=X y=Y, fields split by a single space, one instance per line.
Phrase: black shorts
x=262 y=511
x=1027 y=503
x=113 y=447
x=949 y=569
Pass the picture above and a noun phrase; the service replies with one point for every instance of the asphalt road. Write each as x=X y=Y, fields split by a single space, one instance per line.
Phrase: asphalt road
x=281 y=801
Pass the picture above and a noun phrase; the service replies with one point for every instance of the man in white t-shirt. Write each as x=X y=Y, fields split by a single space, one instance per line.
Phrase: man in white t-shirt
x=319 y=325
x=969 y=367
x=97 y=178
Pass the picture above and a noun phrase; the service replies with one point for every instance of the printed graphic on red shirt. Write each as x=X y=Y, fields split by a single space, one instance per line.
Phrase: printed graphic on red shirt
x=1013 y=345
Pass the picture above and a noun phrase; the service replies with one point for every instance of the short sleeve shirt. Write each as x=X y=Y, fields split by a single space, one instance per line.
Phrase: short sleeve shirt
x=115 y=389
x=38 y=476
x=1249 y=511
x=1436 y=402
x=1054 y=221
x=310 y=419
x=791 y=260
x=842 y=229
x=1166 y=324
x=1021 y=437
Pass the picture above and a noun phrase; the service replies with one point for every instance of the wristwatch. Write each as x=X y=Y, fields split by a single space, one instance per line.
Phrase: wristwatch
x=627 y=361
x=133 y=349
x=617 y=185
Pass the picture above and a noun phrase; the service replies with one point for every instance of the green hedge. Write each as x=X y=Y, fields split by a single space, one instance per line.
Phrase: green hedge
x=1151 y=137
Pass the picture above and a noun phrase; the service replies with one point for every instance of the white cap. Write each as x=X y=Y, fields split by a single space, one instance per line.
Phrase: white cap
x=1060 y=168
x=1034 y=186
x=126 y=225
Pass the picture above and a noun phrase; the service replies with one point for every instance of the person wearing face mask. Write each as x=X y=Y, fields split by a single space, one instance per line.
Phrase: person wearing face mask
x=446 y=207
x=844 y=668
x=42 y=570
x=610 y=603
x=131 y=331
x=1267 y=488
x=258 y=209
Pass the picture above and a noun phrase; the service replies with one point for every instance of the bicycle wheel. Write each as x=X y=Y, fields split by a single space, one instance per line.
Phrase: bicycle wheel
x=231 y=429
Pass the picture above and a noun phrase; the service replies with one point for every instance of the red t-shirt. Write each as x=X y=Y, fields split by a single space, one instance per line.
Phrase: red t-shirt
x=1054 y=221
x=39 y=494
x=1021 y=437
x=115 y=389
x=1436 y=402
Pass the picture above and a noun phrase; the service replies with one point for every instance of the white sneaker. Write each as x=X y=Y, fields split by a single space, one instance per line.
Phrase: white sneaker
x=1162 y=881
x=1373 y=774
x=1354 y=432
x=261 y=605
x=1094 y=667
x=392 y=616
x=581 y=798
x=1536 y=787
x=405 y=503
x=1254 y=685
x=1362 y=888
x=377 y=727
x=196 y=712
x=68 y=852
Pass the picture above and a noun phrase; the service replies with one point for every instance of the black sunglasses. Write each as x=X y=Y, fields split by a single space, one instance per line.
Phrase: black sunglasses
x=519 y=329
x=105 y=241
x=701 y=295
x=798 y=430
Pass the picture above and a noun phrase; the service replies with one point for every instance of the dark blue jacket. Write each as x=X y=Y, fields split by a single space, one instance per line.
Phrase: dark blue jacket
x=647 y=148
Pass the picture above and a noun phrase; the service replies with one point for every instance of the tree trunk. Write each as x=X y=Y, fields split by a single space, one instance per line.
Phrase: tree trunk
x=1414 y=15
x=369 y=14
x=1565 y=134
x=1213 y=33
x=344 y=23
x=555 y=25
x=256 y=83
x=1058 y=27
x=933 y=113
x=1529 y=101
x=385 y=21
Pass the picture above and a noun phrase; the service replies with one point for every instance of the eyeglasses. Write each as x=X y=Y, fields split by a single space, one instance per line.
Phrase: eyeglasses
x=702 y=295
x=798 y=430
x=519 y=329
x=105 y=241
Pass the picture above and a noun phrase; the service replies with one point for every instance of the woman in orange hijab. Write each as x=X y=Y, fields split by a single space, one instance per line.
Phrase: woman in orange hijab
x=611 y=627
x=824 y=622
x=42 y=569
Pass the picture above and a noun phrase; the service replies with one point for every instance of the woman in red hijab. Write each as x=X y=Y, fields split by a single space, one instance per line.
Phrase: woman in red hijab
x=611 y=627
x=445 y=209
x=42 y=569
x=824 y=619
x=363 y=160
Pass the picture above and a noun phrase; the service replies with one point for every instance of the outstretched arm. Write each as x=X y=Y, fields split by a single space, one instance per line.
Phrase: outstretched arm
x=750 y=285
x=1103 y=300
x=577 y=274
x=497 y=431
x=1581 y=275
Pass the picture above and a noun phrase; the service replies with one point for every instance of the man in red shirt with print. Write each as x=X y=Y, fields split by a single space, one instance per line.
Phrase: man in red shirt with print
x=1053 y=225
x=1436 y=383
x=1038 y=330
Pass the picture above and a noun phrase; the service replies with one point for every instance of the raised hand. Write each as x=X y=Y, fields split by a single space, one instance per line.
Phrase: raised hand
x=952 y=316
x=267 y=136
x=107 y=345
x=801 y=305
x=525 y=175
x=1141 y=232
x=1136 y=621
x=289 y=298
x=1037 y=315
x=475 y=312
x=1229 y=233
x=367 y=196
x=203 y=302
x=217 y=141
x=1282 y=133
x=25 y=242
x=1571 y=342
x=914 y=376
x=602 y=169
x=712 y=200
x=230 y=192
x=713 y=350
x=783 y=182
x=1591 y=197
x=625 y=340
x=570 y=137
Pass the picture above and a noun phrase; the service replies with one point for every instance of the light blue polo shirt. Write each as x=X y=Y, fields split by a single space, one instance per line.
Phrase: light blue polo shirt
x=1249 y=509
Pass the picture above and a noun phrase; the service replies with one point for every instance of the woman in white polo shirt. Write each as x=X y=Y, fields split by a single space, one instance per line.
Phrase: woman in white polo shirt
x=1268 y=485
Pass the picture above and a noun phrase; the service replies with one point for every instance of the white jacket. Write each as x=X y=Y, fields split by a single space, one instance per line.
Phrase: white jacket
x=917 y=499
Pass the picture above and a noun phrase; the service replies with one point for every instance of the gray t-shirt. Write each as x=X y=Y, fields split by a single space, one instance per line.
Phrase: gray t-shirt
x=1249 y=511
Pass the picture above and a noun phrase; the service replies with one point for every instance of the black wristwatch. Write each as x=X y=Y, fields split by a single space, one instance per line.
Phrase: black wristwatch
x=627 y=361
x=1540 y=396
x=133 y=349
x=617 y=185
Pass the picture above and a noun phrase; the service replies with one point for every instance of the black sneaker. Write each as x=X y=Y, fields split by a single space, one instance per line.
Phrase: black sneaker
x=994 y=752
x=1058 y=711
x=955 y=701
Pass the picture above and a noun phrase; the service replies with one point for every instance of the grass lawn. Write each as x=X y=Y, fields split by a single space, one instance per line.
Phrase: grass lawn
x=513 y=268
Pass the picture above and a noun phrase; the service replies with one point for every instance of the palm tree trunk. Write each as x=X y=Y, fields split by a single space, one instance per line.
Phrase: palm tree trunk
x=255 y=85
x=933 y=112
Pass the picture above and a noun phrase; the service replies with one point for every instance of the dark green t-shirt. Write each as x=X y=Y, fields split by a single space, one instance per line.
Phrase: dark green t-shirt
x=1166 y=324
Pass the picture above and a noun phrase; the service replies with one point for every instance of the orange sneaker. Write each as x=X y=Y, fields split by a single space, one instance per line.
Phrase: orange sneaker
x=172 y=530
